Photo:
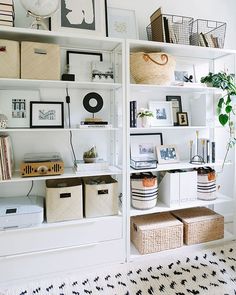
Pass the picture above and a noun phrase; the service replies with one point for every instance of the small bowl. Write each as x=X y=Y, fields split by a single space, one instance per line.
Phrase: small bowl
x=90 y=160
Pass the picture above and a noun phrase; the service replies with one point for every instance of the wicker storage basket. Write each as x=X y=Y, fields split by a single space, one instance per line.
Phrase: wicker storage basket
x=40 y=61
x=9 y=59
x=152 y=68
x=156 y=232
x=64 y=199
x=200 y=225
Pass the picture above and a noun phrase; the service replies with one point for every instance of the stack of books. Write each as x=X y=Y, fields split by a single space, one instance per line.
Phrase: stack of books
x=133 y=113
x=94 y=122
x=6 y=158
x=7 y=14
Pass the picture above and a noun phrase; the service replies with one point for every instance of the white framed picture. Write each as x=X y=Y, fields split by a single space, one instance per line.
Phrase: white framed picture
x=122 y=23
x=162 y=113
x=167 y=154
x=15 y=104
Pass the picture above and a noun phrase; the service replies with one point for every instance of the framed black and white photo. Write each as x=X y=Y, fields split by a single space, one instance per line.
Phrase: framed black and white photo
x=87 y=17
x=176 y=106
x=15 y=104
x=162 y=113
x=167 y=154
x=102 y=71
x=46 y=114
x=80 y=64
x=142 y=145
x=122 y=23
x=182 y=118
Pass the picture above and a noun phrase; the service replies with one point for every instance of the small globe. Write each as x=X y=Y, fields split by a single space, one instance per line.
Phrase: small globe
x=41 y=8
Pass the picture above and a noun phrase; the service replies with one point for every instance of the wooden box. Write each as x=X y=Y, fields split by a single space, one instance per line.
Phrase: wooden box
x=40 y=61
x=9 y=59
x=200 y=224
x=156 y=232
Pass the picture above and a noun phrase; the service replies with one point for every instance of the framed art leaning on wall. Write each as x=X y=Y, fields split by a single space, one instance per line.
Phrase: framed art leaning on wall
x=88 y=17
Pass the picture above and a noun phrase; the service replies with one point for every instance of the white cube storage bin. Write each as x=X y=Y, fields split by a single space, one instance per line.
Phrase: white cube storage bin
x=178 y=186
x=9 y=59
x=45 y=61
x=64 y=199
x=100 y=196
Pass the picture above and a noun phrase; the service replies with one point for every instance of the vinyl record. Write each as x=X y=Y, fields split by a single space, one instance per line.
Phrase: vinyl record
x=87 y=99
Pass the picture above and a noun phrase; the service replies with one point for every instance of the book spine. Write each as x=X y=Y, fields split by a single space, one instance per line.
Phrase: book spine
x=166 y=29
x=131 y=116
x=213 y=152
x=208 y=151
x=135 y=114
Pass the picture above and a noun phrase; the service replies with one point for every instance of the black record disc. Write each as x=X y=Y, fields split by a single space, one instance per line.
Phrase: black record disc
x=86 y=102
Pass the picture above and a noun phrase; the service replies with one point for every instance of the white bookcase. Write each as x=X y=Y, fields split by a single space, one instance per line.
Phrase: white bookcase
x=68 y=245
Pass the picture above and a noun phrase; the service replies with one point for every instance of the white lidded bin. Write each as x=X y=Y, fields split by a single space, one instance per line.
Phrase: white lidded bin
x=9 y=59
x=64 y=199
x=40 y=61
x=101 y=196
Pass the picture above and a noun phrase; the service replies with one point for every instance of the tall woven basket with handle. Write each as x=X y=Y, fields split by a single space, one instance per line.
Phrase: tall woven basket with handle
x=152 y=68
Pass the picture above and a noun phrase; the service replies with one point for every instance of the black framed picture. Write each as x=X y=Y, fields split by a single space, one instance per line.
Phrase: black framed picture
x=46 y=114
x=85 y=17
x=80 y=62
x=176 y=106
x=182 y=118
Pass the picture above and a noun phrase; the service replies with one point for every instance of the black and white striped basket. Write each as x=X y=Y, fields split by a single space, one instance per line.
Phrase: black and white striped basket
x=144 y=190
x=206 y=184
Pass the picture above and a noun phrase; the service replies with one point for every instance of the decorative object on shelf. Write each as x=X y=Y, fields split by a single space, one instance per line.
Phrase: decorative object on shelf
x=46 y=114
x=45 y=61
x=162 y=111
x=182 y=118
x=145 y=115
x=79 y=64
x=66 y=76
x=3 y=121
x=91 y=155
x=208 y=33
x=7 y=13
x=40 y=9
x=133 y=113
x=195 y=157
x=142 y=149
x=84 y=17
x=9 y=59
x=144 y=190
x=41 y=164
x=6 y=156
x=15 y=104
x=99 y=165
x=226 y=105
x=122 y=23
x=167 y=154
x=206 y=184
x=176 y=106
x=102 y=71
x=152 y=68
x=169 y=28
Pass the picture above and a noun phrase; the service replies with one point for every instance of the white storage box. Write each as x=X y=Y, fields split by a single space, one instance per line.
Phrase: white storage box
x=101 y=196
x=40 y=61
x=64 y=199
x=9 y=59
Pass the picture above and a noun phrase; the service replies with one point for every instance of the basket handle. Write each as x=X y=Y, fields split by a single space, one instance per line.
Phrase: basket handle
x=164 y=58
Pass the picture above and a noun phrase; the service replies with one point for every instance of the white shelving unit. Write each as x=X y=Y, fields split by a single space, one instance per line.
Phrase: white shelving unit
x=186 y=56
x=80 y=243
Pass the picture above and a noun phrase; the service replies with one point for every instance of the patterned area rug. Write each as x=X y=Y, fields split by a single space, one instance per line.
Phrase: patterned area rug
x=210 y=271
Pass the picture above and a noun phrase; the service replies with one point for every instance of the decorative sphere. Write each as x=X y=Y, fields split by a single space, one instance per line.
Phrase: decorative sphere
x=43 y=8
x=3 y=121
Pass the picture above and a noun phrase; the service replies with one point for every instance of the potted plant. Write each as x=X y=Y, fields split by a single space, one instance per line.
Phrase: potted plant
x=91 y=155
x=225 y=106
x=145 y=116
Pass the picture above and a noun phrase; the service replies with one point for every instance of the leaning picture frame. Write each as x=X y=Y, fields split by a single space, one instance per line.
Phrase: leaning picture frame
x=167 y=154
x=46 y=114
x=87 y=18
x=80 y=64
x=122 y=23
x=162 y=113
x=176 y=106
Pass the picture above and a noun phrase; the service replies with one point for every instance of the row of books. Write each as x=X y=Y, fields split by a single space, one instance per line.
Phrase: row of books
x=6 y=158
x=7 y=14
x=205 y=149
x=208 y=40
x=133 y=113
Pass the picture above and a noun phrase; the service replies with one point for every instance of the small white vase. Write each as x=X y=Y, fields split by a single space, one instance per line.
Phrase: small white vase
x=145 y=122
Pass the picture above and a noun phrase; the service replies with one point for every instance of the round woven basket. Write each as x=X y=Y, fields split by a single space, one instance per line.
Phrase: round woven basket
x=152 y=68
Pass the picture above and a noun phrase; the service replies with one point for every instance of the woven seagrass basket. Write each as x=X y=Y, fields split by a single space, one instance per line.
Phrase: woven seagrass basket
x=152 y=68
x=156 y=232
x=200 y=225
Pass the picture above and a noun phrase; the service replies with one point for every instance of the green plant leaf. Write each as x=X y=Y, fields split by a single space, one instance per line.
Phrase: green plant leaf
x=228 y=109
x=223 y=118
x=228 y=101
x=220 y=102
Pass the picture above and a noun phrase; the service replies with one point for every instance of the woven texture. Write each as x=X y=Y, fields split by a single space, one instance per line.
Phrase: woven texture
x=44 y=61
x=156 y=232
x=200 y=225
x=9 y=59
x=152 y=68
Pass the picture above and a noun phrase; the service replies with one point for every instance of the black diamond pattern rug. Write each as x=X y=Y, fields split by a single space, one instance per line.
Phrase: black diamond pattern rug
x=210 y=271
